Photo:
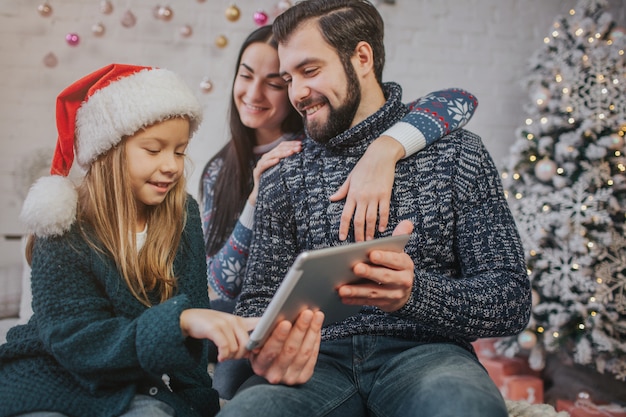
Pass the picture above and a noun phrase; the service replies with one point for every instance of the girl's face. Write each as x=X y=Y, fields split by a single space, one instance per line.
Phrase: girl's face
x=260 y=94
x=156 y=160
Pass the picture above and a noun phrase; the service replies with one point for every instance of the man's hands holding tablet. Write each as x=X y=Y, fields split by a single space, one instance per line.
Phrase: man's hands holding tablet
x=289 y=355
x=391 y=278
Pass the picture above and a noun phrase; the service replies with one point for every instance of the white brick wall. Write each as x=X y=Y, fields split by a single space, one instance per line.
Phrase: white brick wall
x=480 y=45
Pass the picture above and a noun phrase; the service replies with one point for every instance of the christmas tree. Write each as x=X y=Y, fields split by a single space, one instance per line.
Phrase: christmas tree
x=565 y=182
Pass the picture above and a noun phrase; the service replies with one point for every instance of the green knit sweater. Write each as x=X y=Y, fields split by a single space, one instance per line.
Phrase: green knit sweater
x=91 y=346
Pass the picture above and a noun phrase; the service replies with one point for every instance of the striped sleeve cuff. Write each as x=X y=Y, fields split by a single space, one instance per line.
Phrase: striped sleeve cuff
x=247 y=216
x=411 y=138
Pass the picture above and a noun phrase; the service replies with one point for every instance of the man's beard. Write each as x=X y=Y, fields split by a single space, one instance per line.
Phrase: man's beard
x=339 y=119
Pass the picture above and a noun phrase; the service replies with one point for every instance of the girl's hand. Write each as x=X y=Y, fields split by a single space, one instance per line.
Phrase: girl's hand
x=367 y=189
x=268 y=160
x=227 y=331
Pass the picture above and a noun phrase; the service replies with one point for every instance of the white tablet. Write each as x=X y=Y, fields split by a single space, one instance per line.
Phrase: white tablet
x=312 y=283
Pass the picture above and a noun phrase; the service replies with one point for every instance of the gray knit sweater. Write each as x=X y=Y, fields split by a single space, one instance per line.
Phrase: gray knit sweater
x=470 y=276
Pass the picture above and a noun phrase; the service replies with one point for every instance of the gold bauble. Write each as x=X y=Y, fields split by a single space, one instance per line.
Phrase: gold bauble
x=233 y=13
x=221 y=41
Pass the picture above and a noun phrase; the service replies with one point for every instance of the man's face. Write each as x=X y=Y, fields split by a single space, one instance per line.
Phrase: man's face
x=324 y=92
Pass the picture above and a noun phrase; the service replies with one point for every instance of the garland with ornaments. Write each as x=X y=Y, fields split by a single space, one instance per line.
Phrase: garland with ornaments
x=128 y=19
x=566 y=185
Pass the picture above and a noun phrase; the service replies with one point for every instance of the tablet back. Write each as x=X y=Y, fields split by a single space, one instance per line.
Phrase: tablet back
x=312 y=283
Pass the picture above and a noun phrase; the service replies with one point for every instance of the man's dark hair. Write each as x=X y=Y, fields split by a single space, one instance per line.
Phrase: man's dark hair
x=342 y=23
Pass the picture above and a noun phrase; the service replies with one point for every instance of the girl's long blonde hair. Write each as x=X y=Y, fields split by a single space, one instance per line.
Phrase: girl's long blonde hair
x=106 y=203
x=107 y=218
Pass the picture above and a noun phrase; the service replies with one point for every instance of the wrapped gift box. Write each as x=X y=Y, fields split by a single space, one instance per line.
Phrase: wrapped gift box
x=501 y=367
x=485 y=347
x=522 y=387
x=589 y=409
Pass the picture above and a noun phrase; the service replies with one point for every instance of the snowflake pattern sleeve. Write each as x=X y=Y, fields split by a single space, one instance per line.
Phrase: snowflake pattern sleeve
x=225 y=269
x=432 y=117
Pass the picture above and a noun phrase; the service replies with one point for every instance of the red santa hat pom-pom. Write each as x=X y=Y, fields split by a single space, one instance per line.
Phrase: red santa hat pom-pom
x=50 y=206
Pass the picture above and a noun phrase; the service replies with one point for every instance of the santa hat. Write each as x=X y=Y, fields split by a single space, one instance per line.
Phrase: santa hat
x=93 y=115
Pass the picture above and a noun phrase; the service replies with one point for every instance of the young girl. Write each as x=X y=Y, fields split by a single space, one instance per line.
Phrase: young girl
x=121 y=316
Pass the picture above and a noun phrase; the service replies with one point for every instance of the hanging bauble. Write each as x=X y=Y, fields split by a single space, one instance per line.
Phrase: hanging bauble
x=128 y=19
x=44 y=9
x=206 y=85
x=617 y=33
x=232 y=13
x=281 y=6
x=221 y=41
x=50 y=60
x=185 y=31
x=72 y=39
x=537 y=357
x=534 y=297
x=540 y=97
x=545 y=169
x=98 y=29
x=617 y=142
x=166 y=13
x=260 y=17
x=106 y=7
x=527 y=339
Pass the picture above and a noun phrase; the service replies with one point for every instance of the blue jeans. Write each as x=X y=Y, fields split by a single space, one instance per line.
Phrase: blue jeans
x=378 y=376
x=141 y=406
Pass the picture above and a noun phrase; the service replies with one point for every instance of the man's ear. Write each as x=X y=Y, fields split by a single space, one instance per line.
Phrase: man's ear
x=363 y=58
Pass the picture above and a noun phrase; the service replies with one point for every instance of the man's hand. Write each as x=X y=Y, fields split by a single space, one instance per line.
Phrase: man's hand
x=367 y=189
x=391 y=275
x=290 y=353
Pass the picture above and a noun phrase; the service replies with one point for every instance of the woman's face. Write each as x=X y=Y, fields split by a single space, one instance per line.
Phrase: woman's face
x=260 y=94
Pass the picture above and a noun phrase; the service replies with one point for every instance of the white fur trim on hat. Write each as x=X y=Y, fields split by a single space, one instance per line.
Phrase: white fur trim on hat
x=128 y=104
x=50 y=206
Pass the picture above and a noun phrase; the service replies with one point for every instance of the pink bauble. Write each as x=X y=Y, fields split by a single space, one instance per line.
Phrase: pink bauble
x=44 y=9
x=50 y=60
x=98 y=29
x=166 y=13
x=72 y=39
x=260 y=18
x=185 y=31
x=128 y=20
x=206 y=85
x=106 y=7
x=281 y=6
